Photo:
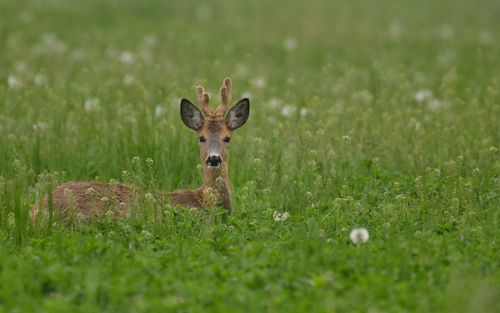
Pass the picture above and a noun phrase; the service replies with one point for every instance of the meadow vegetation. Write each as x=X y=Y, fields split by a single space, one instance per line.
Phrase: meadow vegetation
x=375 y=114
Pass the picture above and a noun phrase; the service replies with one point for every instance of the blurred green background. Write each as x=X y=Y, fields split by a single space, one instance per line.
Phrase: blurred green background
x=381 y=114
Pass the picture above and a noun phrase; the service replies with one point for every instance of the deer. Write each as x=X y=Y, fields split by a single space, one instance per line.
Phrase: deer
x=214 y=129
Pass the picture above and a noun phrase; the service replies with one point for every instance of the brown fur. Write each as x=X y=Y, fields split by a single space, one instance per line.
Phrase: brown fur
x=93 y=199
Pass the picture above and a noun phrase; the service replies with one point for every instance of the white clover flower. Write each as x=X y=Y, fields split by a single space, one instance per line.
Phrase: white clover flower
x=259 y=82
x=346 y=138
x=105 y=199
x=14 y=82
x=149 y=197
x=77 y=54
x=127 y=57
x=145 y=234
x=92 y=104
x=159 y=111
x=150 y=40
x=290 y=44
x=90 y=191
x=280 y=217
x=21 y=66
x=275 y=102
x=434 y=104
x=422 y=94
x=40 y=79
x=288 y=110
x=303 y=112
x=128 y=80
x=247 y=94
x=39 y=126
x=359 y=235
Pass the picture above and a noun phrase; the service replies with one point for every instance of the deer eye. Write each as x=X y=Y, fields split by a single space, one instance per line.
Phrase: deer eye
x=226 y=139
x=202 y=139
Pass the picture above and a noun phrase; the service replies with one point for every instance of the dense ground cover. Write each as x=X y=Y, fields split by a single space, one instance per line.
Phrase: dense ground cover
x=375 y=114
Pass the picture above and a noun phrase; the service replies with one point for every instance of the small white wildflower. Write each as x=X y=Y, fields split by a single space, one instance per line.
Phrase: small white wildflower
x=128 y=80
x=90 y=191
x=77 y=54
x=346 y=139
x=275 y=102
x=127 y=57
x=159 y=111
x=14 y=82
x=303 y=112
x=150 y=40
x=39 y=126
x=359 y=235
x=280 y=217
x=365 y=96
x=259 y=82
x=11 y=219
x=135 y=160
x=422 y=94
x=92 y=104
x=21 y=66
x=67 y=192
x=290 y=44
x=104 y=199
x=288 y=110
x=53 y=44
x=149 y=161
x=434 y=104
x=247 y=94
x=40 y=79
x=109 y=214
x=149 y=197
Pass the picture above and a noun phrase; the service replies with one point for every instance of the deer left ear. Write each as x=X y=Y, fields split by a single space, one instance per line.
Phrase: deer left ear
x=238 y=115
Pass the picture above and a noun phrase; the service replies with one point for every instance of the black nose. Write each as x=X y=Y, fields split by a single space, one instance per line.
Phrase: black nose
x=214 y=160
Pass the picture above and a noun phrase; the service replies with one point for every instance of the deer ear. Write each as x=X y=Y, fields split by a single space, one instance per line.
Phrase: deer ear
x=191 y=115
x=238 y=115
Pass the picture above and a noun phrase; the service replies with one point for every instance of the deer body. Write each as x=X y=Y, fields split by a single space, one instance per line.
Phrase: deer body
x=214 y=130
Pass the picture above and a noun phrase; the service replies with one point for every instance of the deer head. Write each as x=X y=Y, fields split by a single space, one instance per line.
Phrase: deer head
x=213 y=127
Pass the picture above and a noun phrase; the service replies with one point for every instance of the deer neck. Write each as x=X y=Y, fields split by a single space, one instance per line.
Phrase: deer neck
x=210 y=175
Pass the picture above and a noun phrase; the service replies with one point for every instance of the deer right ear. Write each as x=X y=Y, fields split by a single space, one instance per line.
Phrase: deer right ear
x=191 y=115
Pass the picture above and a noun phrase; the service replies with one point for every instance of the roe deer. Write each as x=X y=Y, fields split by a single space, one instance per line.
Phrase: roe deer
x=214 y=130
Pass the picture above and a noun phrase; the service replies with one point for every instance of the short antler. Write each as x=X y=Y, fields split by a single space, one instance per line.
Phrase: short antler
x=203 y=99
x=225 y=94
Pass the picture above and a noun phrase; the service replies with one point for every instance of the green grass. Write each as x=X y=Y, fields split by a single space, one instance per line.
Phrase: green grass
x=375 y=114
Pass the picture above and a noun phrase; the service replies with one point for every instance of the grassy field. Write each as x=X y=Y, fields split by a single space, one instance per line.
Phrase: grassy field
x=376 y=114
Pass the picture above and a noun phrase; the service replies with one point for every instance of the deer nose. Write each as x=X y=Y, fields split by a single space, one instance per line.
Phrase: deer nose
x=214 y=160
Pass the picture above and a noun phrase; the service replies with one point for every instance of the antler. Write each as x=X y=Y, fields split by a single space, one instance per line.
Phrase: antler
x=225 y=94
x=203 y=98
